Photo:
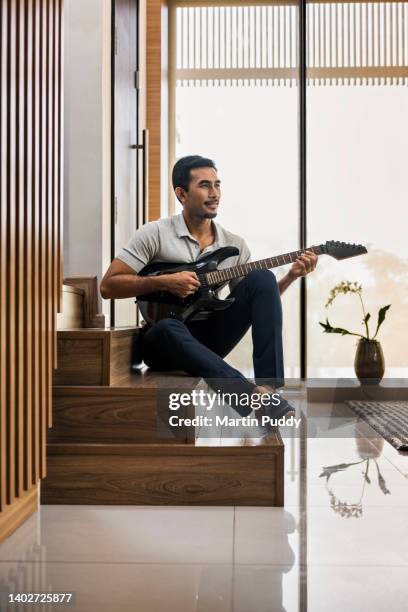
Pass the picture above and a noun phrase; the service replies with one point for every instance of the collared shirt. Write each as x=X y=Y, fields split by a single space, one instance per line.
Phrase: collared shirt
x=169 y=240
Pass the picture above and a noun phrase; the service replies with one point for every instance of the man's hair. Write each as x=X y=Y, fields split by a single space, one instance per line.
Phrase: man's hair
x=181 y=171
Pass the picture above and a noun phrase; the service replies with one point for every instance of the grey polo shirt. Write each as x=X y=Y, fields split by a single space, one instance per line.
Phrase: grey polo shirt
x=168 y=240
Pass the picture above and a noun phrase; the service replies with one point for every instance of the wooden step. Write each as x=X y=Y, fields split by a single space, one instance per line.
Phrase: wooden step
x=162 y=474
x=103 y=448
x=94 y=356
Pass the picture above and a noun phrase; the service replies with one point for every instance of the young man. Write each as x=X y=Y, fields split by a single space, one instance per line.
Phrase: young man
x=199 y=347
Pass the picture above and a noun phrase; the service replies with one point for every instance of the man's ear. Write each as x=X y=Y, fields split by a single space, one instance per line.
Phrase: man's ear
x=180 y=194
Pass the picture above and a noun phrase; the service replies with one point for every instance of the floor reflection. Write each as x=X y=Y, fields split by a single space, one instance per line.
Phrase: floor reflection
x=369 y=451
x=304 y=556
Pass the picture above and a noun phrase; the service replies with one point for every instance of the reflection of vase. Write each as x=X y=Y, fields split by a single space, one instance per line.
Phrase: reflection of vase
x=368 y=448
x=369 y=361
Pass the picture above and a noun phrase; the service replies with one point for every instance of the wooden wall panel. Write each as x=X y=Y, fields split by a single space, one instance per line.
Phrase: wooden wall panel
x=35 y=253
x=43 y=233
x=154 y=103
x=30 y=239
x=19 y=238
x=11 y=249
x=3 y=257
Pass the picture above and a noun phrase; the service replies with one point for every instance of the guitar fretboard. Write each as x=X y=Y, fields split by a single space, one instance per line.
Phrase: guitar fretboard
x=221 y=276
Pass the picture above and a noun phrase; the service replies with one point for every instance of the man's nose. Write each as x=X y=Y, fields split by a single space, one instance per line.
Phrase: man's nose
x=214 y=191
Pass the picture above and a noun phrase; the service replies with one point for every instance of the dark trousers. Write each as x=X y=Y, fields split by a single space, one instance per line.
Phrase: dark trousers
x=199 y=347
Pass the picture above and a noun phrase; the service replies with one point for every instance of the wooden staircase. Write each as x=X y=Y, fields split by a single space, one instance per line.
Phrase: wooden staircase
x=104 y=448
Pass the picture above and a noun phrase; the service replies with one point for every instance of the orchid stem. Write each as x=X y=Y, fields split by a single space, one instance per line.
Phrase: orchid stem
x=364 y=316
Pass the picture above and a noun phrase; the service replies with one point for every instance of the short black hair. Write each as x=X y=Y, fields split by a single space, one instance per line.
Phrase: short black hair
x=181 y=171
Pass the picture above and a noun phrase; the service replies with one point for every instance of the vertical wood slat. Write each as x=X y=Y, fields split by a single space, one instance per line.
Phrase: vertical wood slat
x=154 y=100
x=48 y=217
x=43 y=240
x=58 y=159
x=35 y=252
x=11 y=251
x=30 y=235
x=51 y=201
x=3 y=254
x=19 y=237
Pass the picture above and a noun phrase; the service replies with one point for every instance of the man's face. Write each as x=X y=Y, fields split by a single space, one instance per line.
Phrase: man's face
x=203 y=195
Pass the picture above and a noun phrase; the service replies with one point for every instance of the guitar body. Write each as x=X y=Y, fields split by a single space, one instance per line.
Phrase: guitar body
x=163 y=304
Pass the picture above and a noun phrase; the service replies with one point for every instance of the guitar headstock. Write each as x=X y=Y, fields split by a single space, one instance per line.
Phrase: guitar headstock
x=343 y=250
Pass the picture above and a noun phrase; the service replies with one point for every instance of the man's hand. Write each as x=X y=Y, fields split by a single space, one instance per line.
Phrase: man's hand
x=181 y=284
x=303 y=265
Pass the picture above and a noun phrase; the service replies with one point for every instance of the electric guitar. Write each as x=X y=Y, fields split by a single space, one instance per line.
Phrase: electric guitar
x=163 y=304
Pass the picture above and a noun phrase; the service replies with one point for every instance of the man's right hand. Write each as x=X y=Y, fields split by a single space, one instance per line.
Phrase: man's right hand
x=181 y=284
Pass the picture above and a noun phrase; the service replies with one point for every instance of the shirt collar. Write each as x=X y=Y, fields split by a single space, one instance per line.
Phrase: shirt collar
x=182 y=229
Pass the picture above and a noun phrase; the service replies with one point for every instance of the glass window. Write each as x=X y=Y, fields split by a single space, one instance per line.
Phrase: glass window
x=236 y=102
x=356 y=176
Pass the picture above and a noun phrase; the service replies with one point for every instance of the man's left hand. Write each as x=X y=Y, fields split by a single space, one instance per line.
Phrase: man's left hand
x=303 y=265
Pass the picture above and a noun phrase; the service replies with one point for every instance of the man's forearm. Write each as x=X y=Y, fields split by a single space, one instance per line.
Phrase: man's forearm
x=285 y=281
x=131 y=285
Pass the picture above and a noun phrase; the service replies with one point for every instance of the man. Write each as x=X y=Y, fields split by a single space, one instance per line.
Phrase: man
x=199 y=347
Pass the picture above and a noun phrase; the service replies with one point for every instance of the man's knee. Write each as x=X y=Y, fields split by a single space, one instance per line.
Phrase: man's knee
x=262 y=279
x=168 y=327
x=160 y=339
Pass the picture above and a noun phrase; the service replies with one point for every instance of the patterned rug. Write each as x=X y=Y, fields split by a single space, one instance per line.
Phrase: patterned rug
x=389 y=419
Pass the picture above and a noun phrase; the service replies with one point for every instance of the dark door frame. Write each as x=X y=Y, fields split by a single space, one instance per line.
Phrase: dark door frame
x=302 y=181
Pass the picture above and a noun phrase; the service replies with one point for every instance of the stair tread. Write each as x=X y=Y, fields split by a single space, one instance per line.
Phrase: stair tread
x=98 y=331
x=155 y=448
x=146 y=379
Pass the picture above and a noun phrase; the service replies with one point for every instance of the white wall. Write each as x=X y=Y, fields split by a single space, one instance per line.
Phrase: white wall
x=87 y=120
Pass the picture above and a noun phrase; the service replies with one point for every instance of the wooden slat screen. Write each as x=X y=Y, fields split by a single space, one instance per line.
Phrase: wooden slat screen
x=30 y=234
x=348 y=43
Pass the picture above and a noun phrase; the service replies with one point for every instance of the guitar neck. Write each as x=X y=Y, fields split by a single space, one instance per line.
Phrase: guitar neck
x=221 y=276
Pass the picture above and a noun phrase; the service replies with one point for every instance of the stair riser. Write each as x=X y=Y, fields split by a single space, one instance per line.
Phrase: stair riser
x=165 y=480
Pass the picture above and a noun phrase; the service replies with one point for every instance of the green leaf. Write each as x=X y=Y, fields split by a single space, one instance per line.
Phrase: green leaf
x=334 y=330
x=366 y=318
x=381 y=316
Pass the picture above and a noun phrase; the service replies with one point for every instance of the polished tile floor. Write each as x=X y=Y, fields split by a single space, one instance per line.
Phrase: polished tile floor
x=339 y=544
